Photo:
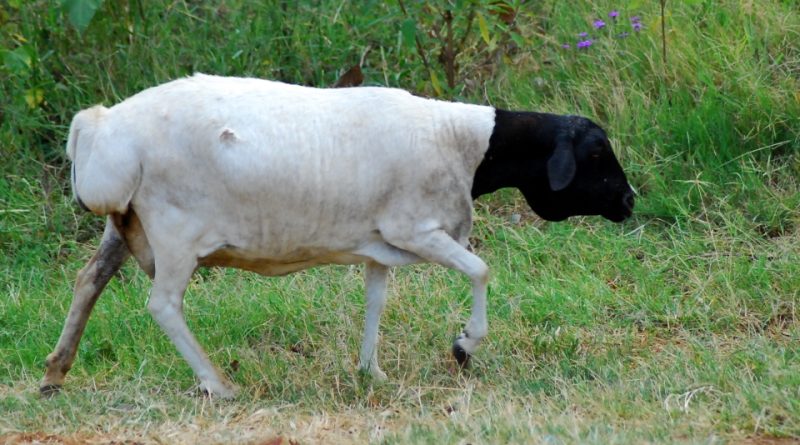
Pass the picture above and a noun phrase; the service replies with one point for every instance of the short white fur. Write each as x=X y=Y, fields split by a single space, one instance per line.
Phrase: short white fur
x=275 y=178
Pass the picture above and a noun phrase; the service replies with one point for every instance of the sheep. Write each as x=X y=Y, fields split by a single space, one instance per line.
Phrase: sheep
x=210 y=171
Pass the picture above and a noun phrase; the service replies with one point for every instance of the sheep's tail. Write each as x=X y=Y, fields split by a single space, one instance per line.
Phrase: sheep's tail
x=106 y=170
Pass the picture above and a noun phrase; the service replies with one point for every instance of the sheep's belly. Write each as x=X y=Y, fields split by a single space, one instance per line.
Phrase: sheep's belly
x=231 y=257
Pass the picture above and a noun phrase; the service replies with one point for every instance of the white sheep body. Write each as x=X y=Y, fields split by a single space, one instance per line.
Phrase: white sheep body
x=278 y=177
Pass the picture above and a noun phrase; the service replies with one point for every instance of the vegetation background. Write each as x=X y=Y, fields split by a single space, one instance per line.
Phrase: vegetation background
x=678 y=326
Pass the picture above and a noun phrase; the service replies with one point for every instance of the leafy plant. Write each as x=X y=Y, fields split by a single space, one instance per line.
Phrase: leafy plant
x=447 y=27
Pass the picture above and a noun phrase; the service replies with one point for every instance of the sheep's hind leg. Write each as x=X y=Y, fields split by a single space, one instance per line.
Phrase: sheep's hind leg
x=91 y=281
x=166 y=306
x=437 y=246
x=375 y=282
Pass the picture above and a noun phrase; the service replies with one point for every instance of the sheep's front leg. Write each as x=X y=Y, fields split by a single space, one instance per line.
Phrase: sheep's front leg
x=375 y=283
x=437 y=246
x=92 y=279
x=166 y=306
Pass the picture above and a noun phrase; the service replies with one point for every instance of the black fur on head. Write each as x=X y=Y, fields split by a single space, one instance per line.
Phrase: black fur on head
x=563 y=165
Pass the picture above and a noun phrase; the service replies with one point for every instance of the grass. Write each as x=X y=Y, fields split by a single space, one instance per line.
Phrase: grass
x=668 y=351
x=678 y=326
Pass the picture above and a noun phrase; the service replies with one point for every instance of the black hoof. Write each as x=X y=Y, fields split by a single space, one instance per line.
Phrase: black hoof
x=202 y=393
x=461 y=356
x=49 y=390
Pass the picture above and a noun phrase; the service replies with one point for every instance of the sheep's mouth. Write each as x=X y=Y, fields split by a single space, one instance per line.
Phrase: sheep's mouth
x=618 y=218
x=624 y=209
x=624 y=213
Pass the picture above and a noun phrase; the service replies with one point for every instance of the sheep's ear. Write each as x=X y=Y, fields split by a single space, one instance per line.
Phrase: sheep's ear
x=561 y=166
x=351 y=78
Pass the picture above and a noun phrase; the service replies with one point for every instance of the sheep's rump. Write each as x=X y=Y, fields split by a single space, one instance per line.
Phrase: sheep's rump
x=105 y=173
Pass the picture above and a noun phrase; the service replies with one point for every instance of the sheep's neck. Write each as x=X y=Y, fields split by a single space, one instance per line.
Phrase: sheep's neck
x=518 y=150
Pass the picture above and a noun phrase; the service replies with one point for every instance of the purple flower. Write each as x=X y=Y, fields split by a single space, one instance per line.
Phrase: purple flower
x=637 y=26
x=598 y=24
x=613 y=14
x=566 y=46
x=635 y=19
x=585 y=44
x=583 y=34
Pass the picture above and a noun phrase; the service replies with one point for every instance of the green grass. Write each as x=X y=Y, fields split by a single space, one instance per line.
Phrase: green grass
x=678 y=326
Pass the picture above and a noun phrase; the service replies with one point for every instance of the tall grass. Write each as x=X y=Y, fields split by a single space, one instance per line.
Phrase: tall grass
x=680 y=325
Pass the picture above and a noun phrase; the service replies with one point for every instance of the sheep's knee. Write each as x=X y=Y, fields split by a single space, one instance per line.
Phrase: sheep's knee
x=163 y=310
x=480 y=274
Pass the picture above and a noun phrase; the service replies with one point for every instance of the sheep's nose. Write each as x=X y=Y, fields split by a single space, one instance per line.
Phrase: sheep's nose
x=627 y=200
